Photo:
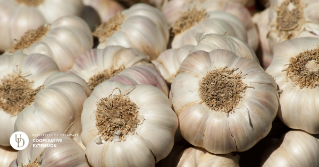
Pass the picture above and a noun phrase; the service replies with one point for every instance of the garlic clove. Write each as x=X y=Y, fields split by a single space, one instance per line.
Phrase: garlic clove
x=8 y=154
x=7 y=9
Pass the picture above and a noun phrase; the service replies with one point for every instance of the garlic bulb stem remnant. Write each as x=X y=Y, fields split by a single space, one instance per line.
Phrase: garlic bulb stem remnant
x=30 y=2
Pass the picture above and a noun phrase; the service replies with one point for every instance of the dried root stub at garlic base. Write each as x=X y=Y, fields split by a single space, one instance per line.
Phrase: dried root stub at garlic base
x=34 y=163
x=16 y=93
x=222 y=89
x=30 y=2
x=188 y=19
x=104 y=76
x=116 y=116
x=29 y=38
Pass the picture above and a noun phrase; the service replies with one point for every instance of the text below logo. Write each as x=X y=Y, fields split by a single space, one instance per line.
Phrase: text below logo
x=19 y=140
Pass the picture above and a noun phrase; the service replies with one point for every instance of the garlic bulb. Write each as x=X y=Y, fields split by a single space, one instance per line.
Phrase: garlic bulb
x=224 y=103
x=63 y=41
x=104 y=10
x=262 y=19
x=234 y=8
x=297 y=148
x=295 y=70
x=19 y=16
x=51 y=149
x=292 y=19
x=142 y=27
x=142 y=74
x=136 y=130
x=210 y=42
x=98 y=65
x=21 y=77
x=169 y=61
x=199 y=21
x=7 y=155
x=56 y=107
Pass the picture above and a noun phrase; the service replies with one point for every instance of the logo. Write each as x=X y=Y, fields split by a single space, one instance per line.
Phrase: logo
x=19 y=140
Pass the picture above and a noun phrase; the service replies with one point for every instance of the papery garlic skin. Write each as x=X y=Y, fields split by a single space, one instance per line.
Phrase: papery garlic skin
x=7 y=155
x=169 y=61
x=66 y=39
x=153 y=138
x=297 y=148
x=16 y=19
x=144 y=28
x=36 y=68
x=216 y=22
x=298 y=106
x=220 y=132
x=210 y=42
x=65 y=153
x=57 y=107
x=305 y=26
x=142 y=74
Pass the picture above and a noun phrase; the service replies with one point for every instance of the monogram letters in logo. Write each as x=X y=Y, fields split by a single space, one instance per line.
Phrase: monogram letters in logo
x=19 y=140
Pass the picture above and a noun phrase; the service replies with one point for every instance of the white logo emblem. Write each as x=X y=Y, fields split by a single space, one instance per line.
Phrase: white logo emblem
x=19 y=140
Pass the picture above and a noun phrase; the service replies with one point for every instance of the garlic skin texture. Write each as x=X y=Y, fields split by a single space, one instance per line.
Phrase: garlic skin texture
x=222 y=131
x=35 y=68
x=297 y=148
x=17 y=18
x=59 y=102
x=7 y=155
x=298 y=106
x=142 y=74
x=144 y=28
x=231 y=7
x=66 y=153
x=217 y=22
x=210 y=42
x=169 y=61
x=290 y=20
x=150 y=141
x=64 y=41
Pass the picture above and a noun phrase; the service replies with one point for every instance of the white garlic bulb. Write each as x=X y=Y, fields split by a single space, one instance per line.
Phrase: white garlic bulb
x=63 y=41
x=56 y=107
x=19 y=16
x=21 y=77
x=169 y=61
x=292 y=19
x=295 y=70
x=224 y=103
x=98 y=65
x=296 y=148
x=104 y=10
x=51 y=149
x=199 y=21
x=142 y=27
x=142 y=74
x=7 y=155
x=127 y=125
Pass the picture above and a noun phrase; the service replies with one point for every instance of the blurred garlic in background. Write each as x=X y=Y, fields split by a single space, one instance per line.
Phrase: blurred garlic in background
x=7 y=155
x=296 y=148
x=142 y=27
x=19 y=16
x=60 y=150
x=224 y=103
x=96 y=12
x=295 y=68
x=63 y=41
x=127 y=125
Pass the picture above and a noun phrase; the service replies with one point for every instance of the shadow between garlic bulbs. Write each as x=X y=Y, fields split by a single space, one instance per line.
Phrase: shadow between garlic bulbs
x=224 y=103
x=142 y=140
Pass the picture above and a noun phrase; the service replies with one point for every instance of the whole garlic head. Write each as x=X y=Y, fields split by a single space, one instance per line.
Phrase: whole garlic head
x=63 y=41
x=51 y=149
x=127 y=125
x=19 y=16
x=295 y=69
x=292 y=19
x=224 y=103
x=21 y=77
x=7 y=155
x=141 y=27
